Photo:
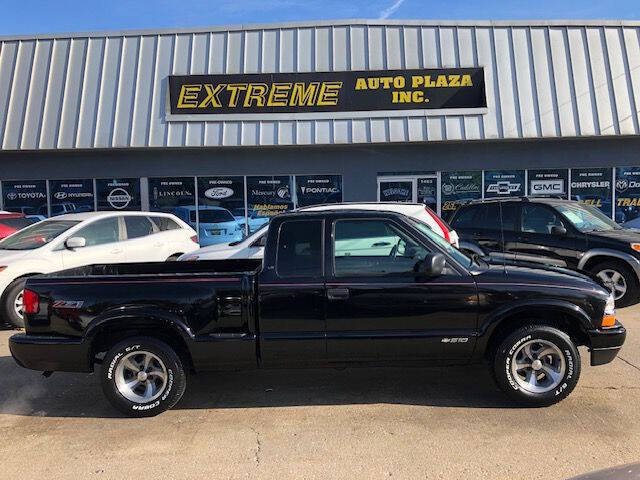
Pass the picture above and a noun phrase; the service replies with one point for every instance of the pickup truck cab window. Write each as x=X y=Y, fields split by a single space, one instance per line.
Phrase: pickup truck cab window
x=299 y=251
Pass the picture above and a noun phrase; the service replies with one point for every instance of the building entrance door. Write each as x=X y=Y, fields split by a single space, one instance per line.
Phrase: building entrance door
x=410 y=189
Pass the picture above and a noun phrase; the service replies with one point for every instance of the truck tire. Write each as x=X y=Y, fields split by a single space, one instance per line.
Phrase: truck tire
x=12 y=303
x=142 y=377
x=621 y=279
x=538 y=365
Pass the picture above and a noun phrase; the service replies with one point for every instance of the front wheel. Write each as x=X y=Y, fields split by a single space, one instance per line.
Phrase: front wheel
x=620 y=279
x=142 y=377
x=538 y=365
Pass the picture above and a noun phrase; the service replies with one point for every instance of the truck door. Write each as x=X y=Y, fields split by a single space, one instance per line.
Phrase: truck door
x=292 y=295
x=379 y=309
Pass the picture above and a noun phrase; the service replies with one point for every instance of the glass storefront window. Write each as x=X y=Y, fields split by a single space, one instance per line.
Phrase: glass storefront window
x=267 y=196
x=221 y=210
x=503 y=183
x=592 y=186
x=458 y=187
x=318 y=189
x=118 y=194
x=71 y=196
x=628 y=196
x=428 y=192
x=396 y=191
x=28 y=197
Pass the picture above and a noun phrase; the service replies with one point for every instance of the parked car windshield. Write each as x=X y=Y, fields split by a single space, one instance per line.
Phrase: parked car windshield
x=213 y=216
x=587 y=218
x=37 y=235
x=460 y=257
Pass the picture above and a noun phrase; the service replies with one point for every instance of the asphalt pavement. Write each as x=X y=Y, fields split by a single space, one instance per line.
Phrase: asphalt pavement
x=357 y=423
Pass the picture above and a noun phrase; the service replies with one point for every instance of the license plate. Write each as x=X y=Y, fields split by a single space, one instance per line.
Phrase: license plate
x=216 y=232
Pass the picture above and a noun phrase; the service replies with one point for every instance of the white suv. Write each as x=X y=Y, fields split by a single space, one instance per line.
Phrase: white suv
x=78 y=239
x=253 y=245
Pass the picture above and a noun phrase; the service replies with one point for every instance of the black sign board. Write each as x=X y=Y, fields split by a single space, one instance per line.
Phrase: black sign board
x=552 y=182
x=167 y=194
x=592 y=186
x=71 y=196
x=396 y=191
x=267 y=197
x=428 y=192
x=318 y=189
x=458 y=187
x=28 y=197
x=503 y=183
x=628 y=196
x=327 y=91
x=118 y=194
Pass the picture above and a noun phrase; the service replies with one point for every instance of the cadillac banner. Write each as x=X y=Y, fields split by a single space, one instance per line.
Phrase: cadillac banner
x=327 y=91
x=458 y=187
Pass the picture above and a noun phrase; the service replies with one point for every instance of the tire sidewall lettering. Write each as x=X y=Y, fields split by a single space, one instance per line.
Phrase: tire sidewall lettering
x=508 y=373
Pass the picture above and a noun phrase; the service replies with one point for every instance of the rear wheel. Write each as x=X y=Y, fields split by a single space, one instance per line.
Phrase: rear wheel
x=142 y=377
x=12 y=304
x=620 y=279
x=537 y=365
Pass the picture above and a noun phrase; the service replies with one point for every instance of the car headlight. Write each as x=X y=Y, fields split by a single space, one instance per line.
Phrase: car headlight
x=635 y=246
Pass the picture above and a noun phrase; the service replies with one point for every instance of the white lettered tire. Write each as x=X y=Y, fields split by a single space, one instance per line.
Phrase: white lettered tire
x=142 y=377
x=538 y=365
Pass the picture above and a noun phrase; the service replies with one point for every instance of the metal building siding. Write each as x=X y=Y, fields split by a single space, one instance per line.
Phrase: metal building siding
x=110 y=91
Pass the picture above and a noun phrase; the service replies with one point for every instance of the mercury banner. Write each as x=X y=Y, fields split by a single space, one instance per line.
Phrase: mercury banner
x=450 y=88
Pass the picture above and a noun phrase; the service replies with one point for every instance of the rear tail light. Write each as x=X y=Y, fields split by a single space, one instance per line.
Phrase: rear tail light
x=30 y=301
x=441 y=224
x=194 y=239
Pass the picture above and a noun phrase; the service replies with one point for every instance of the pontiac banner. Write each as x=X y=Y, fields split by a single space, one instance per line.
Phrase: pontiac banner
x=327 y=91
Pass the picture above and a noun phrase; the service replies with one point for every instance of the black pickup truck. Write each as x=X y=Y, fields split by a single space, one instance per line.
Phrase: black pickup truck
x=336 y=288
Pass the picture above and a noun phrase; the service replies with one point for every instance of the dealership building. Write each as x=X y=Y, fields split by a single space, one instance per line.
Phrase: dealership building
x=250 y=121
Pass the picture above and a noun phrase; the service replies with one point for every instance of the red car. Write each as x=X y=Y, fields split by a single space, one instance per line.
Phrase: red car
x=12 y=222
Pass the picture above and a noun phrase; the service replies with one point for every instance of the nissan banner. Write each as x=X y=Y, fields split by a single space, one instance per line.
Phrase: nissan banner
x=118 y=194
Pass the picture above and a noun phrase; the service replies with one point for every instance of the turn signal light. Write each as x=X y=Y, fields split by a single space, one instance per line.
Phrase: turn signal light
x=608 y=321
x=635 y=246
x=30 y=301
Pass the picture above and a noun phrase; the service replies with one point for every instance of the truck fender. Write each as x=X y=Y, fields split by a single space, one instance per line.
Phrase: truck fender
x=632 y=261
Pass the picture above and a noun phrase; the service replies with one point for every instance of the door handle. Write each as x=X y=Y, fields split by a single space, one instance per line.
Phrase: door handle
x=159 y=244
x=117 y=250
x=337 y=293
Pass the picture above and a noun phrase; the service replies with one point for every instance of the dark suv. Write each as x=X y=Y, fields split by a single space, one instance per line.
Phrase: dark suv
x=555 y=232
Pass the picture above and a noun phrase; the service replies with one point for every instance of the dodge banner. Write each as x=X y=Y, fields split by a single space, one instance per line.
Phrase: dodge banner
x=327 y=91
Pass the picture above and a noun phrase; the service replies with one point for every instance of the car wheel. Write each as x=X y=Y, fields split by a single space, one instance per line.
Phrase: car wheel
x=174 y=257
x=620 y=279
x=142 y=377
x=538 y=365
x=12 y=304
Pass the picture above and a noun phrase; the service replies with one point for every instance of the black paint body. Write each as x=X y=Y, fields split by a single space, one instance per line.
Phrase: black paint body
x=234 y=314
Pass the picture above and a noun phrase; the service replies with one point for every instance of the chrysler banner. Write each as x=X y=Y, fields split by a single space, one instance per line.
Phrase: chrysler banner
x=28 y=196
x=458 y=187
x=118 y=193
x=549 y=182
x=628 y=196
x=67 y=196
x=592 y=186
x=352 y=91
x=503 y=183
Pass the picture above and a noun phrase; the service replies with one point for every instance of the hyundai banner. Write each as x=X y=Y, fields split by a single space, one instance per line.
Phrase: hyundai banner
x=118 y=194
x=25 y=196
x=628 y=196
x=458 y=187
x=592 y=186
x=503 y=183
x=318 y=189
x=549 y=182
x=71 y=196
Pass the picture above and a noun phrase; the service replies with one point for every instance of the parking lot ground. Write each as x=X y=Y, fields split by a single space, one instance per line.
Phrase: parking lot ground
x=358 y=423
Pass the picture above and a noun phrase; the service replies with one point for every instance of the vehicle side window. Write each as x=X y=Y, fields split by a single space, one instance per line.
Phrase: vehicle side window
x=490 y=218
x=138 y=227
x=165 y=223
x=464 y=218
x=260 y=242
x=539 y=219
x=101 y=232
x=299 y=251
x=374 y=247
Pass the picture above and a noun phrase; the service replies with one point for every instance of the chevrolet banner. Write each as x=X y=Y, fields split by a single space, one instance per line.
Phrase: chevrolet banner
x=327 y=91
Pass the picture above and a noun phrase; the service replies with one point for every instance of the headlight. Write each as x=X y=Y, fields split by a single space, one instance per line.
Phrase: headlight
x=635 y=246
x=610 y=307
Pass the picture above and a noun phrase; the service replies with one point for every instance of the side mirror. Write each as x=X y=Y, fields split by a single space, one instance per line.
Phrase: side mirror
x=75 y=242
x=433 y=264
x=558 y=230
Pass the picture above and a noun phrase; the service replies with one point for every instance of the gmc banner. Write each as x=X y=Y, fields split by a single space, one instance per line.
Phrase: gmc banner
x=549 y=182
x=327 y=91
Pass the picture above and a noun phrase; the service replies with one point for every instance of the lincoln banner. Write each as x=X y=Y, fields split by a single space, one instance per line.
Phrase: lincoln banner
x=357 y=91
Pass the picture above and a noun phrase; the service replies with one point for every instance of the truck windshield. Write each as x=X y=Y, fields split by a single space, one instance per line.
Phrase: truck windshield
x=37 y=235
x=460 y=257
x=587 y=218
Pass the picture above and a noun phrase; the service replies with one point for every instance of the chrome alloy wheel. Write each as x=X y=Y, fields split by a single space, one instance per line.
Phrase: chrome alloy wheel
x=141 y=376
x=615 y=281
x=18 y=306
x=538 y=366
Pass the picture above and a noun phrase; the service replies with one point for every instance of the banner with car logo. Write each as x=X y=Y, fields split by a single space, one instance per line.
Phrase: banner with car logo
x=267 y=196
x=170 y=194
x=318 y=189
x=592 y=186
x=628 y=196
x=221 y=202
x=503 y=183
x=459 y=187
x=118 y=194
x=549 y=182
x=71 y=196
x=25 y=196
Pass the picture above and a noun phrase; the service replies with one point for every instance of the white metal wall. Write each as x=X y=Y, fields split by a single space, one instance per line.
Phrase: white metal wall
x=110 y=90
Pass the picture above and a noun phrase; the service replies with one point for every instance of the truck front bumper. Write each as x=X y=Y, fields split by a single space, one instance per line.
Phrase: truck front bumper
x=606 y=343
x=50 y=353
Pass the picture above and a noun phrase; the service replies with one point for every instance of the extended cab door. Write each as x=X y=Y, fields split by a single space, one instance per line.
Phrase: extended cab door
x=380 y=309
x=292 y=294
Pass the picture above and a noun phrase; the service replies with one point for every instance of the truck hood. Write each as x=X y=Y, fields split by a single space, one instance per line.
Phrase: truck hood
x=9 y=256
